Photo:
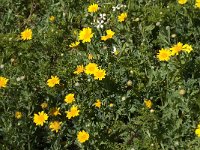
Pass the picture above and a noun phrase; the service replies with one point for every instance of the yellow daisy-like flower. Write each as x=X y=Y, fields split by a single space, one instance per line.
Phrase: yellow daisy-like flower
x=3 y=82
x=90 y=56
x=93 y=8
x=44 y=105
x=99 y=74
x=97 y=103
x=55 y=111
x=91 y=68
x=82 y=136
x=40 y=118
x=122 y=17
x=164 y=55
x=55 y=126
x=26 y=34
x=110 y=33
x=187 y=48
x=182 y=2
x=69 y=98
x=18 y=114
x=197 y=3
x=148 y=103
x=74 y=44
x=104 y=38
x=176 y=48
x=79 y=69
x=52 y=18
x=197 y=132
x=86 y=34
x=53 y=81
x=111 y=105
x=73 y=112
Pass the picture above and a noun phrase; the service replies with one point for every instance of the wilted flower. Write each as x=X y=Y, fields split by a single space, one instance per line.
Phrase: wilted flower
x=148 y=103
x=97 y=103
x=79 y=69
x=55 y=126
x=44 y=105
x=55 y=111
x=74 y=44
x=18 y=114
x=52 y=18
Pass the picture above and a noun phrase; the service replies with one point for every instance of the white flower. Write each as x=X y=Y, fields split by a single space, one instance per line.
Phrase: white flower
x=115 y=51
x=103 y=16
x=2 y=66
x=18 y=79
x=114 y=8
x=22 y=77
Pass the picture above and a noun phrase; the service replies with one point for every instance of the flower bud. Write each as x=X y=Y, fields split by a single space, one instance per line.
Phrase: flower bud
x=129 y=83
x=182 y=92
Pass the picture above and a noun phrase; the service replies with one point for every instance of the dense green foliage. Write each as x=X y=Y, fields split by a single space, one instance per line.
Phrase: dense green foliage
x=132 y=75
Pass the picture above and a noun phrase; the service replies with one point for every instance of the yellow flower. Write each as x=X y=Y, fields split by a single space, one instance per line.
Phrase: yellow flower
x=55 y=111
x=55 y=126
x=104 y=38
x=111 y=105
x=182 y=1
x=93 y=8
x=176 y=48
x=3 y=82
x=99 y=74
x=74 y=44
x=91 y=68
x=40 y=118
x=26 y=34
x=164 y=55
x=73 y=112
x=53 y=81
x=69 y=98
x=122 y=17
x=110 y=33
x=79 y=69
x=82 y=136
x=86 y=34
x=148 y=103
x=197 y=132
x=97 y=103
x=197 y=4
x=187 y=48
x=44 y=105
x=52 y=18
x=18 y=114
x=90 y=56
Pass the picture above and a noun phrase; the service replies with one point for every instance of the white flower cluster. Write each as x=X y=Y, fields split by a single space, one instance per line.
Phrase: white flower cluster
x=118 y=7
x=101 y=21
